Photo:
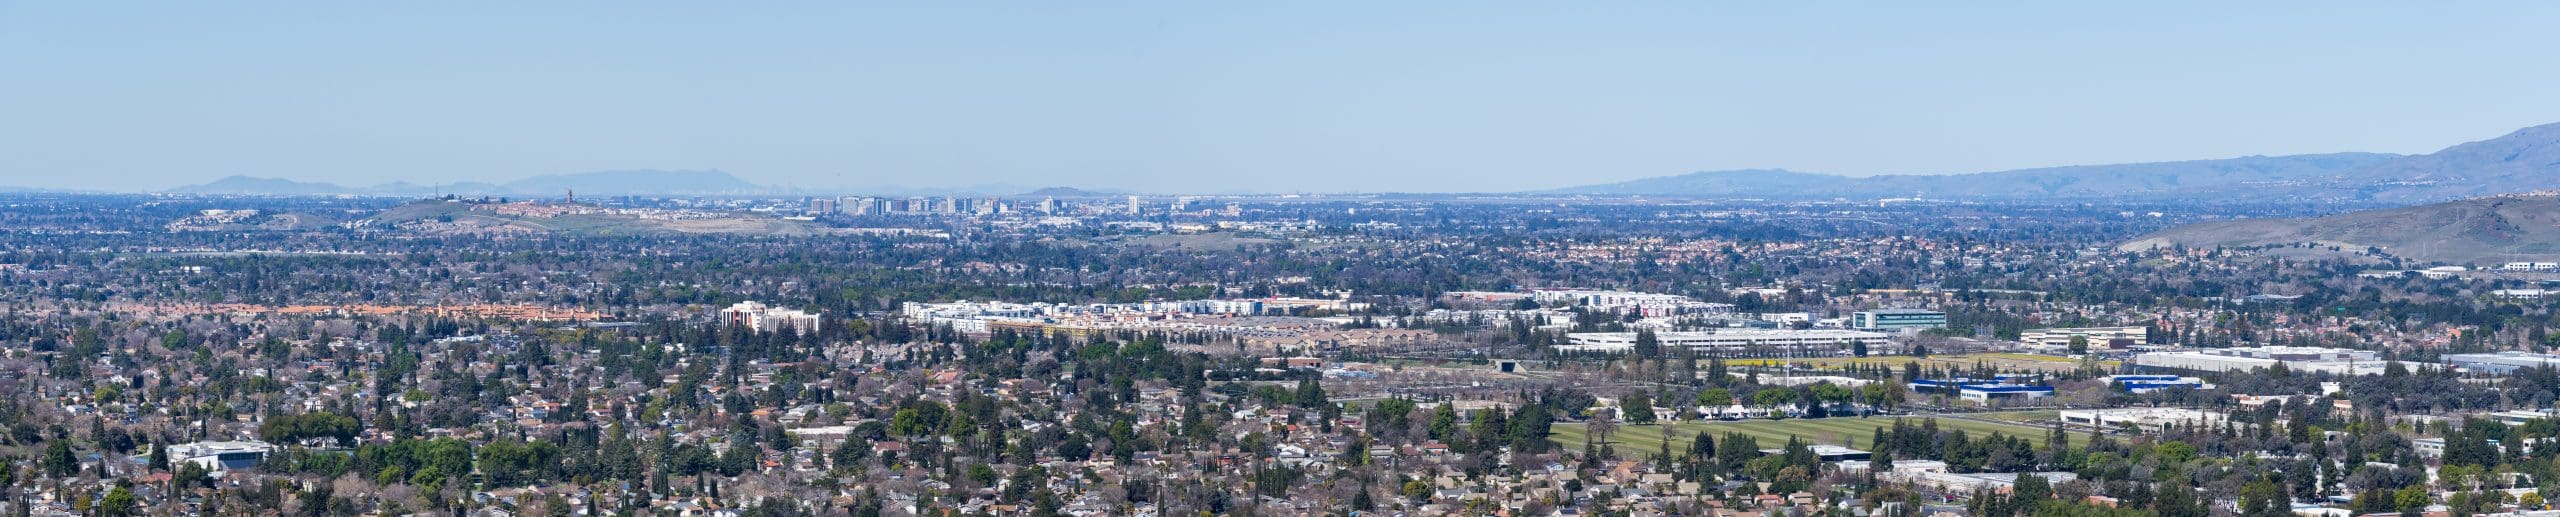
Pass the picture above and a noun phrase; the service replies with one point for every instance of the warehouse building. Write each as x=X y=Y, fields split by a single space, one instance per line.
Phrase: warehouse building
x=2202 y=362
x=2147 y=419
x=2340 y=361
x=2150 y=383
x=2501 y=363
x=1982 y=391
x=1942 y=386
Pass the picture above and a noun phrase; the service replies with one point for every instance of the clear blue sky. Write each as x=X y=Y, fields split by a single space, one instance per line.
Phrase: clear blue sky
x=1225 y=96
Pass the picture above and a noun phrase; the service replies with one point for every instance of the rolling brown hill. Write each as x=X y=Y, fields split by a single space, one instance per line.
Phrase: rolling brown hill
x=2486 y=230
x=2524 y=160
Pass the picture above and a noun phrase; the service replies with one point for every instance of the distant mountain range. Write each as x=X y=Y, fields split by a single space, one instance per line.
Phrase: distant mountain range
x=2476 y=231
x=1072 y=192
x=2079 y=181
x=602 y=183
x=14 y=189
x=2526 y=160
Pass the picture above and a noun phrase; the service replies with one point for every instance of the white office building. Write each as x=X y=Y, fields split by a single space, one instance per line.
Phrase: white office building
x=1649 y=305
x=2523 y=294
x=765 y=318
x=2298 y=358
x=2146 y=419
x=221 y=456
x=2096 y=336
x=2502 y=362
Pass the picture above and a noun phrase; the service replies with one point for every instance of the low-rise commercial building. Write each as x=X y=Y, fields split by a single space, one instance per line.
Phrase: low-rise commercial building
x=2523 y=294
x=2501 y=362
x=2524 y=416
x=1805 y=380
x=1825 y=341
x=2340 y=361
x=2531 y=266
x=2096 y=336
x=1980 y=390
x=1949 y=482
x=1987 y=393
x=2202 y=362
x=2151 y=383
x=2145 y=419
x=221 y=456
x=1897 y=319
x=1649 y=305
x=1828 y=453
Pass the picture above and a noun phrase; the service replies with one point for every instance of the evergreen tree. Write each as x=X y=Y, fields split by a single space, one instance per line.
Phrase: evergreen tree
x=1639 y=408
x=1444 y=422
x=159 y=457
x=2263 y=498
x=1647 y=345
x=2179 y=500
x=58 y=460
x=2031 y=492
x=1311 y=394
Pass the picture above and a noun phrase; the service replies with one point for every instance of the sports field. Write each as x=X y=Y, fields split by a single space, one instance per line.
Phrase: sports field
x=1771 y=434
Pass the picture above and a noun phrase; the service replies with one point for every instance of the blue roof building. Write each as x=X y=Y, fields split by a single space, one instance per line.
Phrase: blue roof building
x=2151 y=383
x=1993 y=392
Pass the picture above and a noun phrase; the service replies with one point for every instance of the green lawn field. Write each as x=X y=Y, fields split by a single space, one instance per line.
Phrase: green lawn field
x=1644 y=439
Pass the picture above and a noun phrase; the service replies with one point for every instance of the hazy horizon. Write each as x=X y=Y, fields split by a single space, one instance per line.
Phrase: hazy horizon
x=1230 y=98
